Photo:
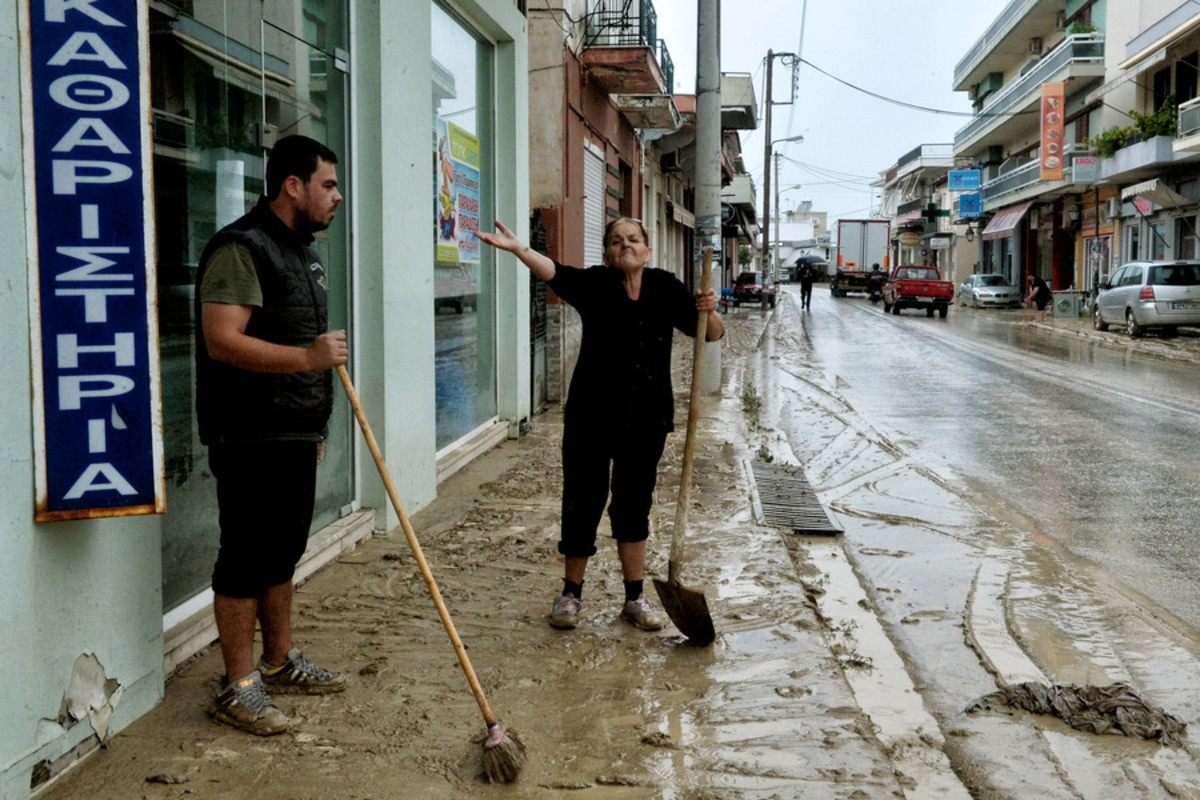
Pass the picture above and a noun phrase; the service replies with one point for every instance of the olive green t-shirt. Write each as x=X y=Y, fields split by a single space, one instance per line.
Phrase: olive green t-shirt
x=230 y=277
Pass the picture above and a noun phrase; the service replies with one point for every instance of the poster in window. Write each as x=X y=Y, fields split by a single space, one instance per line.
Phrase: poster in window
x=457 y=207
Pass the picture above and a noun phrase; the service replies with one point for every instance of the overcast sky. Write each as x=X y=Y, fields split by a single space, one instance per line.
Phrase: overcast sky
x=905 y=50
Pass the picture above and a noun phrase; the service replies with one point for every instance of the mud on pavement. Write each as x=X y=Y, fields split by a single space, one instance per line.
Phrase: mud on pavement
x=840 y=670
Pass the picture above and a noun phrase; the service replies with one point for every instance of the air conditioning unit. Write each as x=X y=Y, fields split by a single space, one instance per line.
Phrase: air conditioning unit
x=1114 y=208
x=1035 y=46
x=1060 y=21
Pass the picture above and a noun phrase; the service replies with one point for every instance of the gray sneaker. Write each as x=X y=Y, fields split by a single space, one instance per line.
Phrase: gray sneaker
x=245 y=704
x=639 y=614
x=298 y=675
x=565 y=614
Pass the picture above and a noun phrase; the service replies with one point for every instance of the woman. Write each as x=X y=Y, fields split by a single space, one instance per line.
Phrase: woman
x=1037 y=293
x=620 y=406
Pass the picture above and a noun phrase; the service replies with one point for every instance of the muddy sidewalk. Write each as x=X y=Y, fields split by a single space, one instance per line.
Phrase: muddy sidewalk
x=606 y=711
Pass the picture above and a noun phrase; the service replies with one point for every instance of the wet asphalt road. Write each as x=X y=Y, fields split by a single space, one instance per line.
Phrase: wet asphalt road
x=1088 y=443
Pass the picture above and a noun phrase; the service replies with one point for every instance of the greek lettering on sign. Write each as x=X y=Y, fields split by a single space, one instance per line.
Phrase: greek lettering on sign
x=96 y=388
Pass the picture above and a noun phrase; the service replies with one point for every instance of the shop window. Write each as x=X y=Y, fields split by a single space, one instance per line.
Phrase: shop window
x=463 y=187
x=1185 y=237
x=223 y=82
x=1158 y=241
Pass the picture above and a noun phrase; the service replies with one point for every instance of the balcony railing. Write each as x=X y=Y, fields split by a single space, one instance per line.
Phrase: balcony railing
x=994 y=35
x=622 y=23
x=1189 y=118
x=1029 y=174
x=1079 y=48
x=667 y=66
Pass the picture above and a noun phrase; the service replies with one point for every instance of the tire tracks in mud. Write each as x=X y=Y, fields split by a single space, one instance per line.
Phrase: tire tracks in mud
x=1004 y=615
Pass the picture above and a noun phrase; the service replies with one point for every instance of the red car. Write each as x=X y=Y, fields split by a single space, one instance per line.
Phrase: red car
x=917 y=287
x=750 y=287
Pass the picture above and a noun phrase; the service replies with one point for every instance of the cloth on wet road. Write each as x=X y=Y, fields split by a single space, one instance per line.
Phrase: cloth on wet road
x=1115 y=709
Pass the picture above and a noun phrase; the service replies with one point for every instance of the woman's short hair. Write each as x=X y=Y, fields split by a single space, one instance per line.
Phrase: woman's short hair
x=608 y=229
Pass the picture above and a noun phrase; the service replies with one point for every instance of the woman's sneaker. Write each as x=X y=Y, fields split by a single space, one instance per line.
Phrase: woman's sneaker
x=565 y=613
x=639 y=614
x=245 y=704
x=298 y=675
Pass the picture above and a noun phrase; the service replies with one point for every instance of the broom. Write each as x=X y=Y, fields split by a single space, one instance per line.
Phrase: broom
x=503 y=751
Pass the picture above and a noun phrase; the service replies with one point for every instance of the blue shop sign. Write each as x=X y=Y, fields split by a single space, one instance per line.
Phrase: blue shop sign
x=970 y=206
x=963 y=180
x=96 y=392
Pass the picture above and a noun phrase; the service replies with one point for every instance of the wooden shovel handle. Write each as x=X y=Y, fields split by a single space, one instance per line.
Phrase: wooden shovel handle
x=411 y=535
x=689 y=442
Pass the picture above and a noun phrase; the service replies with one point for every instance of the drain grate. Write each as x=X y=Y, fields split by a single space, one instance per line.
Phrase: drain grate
x=786 y=500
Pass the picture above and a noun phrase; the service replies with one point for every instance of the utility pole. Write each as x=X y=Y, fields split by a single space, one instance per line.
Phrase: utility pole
x=775 y=253
x=766 y=220
x=708 y=159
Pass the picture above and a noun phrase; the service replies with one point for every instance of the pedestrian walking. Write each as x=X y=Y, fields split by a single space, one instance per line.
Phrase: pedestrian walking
x=1037 y=293
x=807 y=274
x=620 y=406
x=264 y=393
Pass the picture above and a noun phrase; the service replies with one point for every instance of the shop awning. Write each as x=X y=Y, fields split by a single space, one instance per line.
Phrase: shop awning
x=1155 y=192
x=1005 y=223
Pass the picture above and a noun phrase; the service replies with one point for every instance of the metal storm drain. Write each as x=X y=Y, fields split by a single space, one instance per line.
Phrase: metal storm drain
x=787 y=500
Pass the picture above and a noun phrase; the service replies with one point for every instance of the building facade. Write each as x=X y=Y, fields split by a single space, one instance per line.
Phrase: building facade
x=1129 y=151
x=99 y=609
x=915 y=195
x=1034 y=175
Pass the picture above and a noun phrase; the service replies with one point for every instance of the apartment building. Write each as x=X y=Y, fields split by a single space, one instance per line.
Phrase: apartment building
x=915 y=195
x=1123 y=183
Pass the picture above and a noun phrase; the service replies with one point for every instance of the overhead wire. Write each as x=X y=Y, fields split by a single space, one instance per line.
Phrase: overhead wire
x=914 y=106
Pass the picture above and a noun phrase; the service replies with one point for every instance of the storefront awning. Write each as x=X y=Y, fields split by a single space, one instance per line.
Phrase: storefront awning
x=1005 y=223
x=1157 y=193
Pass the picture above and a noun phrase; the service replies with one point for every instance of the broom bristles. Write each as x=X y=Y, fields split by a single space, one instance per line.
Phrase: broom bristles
x=503 y=755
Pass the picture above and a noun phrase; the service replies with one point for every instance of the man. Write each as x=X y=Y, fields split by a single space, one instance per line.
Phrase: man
x=807 y=274
x=264 y=392
x=875 y=281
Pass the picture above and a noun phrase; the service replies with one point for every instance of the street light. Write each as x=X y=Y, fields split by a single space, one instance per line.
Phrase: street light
x=768 y=101
x=778 y=191
x=766 y=227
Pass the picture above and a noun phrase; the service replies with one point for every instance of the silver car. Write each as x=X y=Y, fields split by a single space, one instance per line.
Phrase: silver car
x=988 y=289
x=1149 y=294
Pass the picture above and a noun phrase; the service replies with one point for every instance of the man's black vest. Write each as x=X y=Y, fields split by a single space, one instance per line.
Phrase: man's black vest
x=236 y=405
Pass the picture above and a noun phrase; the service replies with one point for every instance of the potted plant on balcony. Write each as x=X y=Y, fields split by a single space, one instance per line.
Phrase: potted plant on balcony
x=1144 y=128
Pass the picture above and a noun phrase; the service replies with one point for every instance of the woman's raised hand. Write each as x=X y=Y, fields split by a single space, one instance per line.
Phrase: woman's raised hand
x=503 y=240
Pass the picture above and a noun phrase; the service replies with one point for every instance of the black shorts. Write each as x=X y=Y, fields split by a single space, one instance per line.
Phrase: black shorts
x=265 y=493
x=595 y=458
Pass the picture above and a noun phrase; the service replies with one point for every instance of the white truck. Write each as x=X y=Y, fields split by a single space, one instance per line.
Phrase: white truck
x=861 y=244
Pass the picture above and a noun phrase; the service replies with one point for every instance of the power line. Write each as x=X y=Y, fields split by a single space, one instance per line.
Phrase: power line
x=913 y=106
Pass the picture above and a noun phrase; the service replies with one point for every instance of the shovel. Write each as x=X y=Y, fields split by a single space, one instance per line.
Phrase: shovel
x=687 y=608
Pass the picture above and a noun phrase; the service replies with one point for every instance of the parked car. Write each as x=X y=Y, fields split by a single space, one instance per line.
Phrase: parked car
x=454 y=288
x=1149 y=294
x=988 y=289
x=751 y=287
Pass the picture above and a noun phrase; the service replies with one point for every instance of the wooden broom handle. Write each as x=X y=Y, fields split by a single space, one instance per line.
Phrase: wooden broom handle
x=411 y=535
x=689 y=446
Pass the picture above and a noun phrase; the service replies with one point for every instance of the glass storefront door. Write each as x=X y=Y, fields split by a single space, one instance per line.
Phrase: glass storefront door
x=229 y=77
x=463 y=188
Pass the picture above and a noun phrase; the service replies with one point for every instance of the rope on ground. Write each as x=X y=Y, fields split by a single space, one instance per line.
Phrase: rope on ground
x=1114 y=709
